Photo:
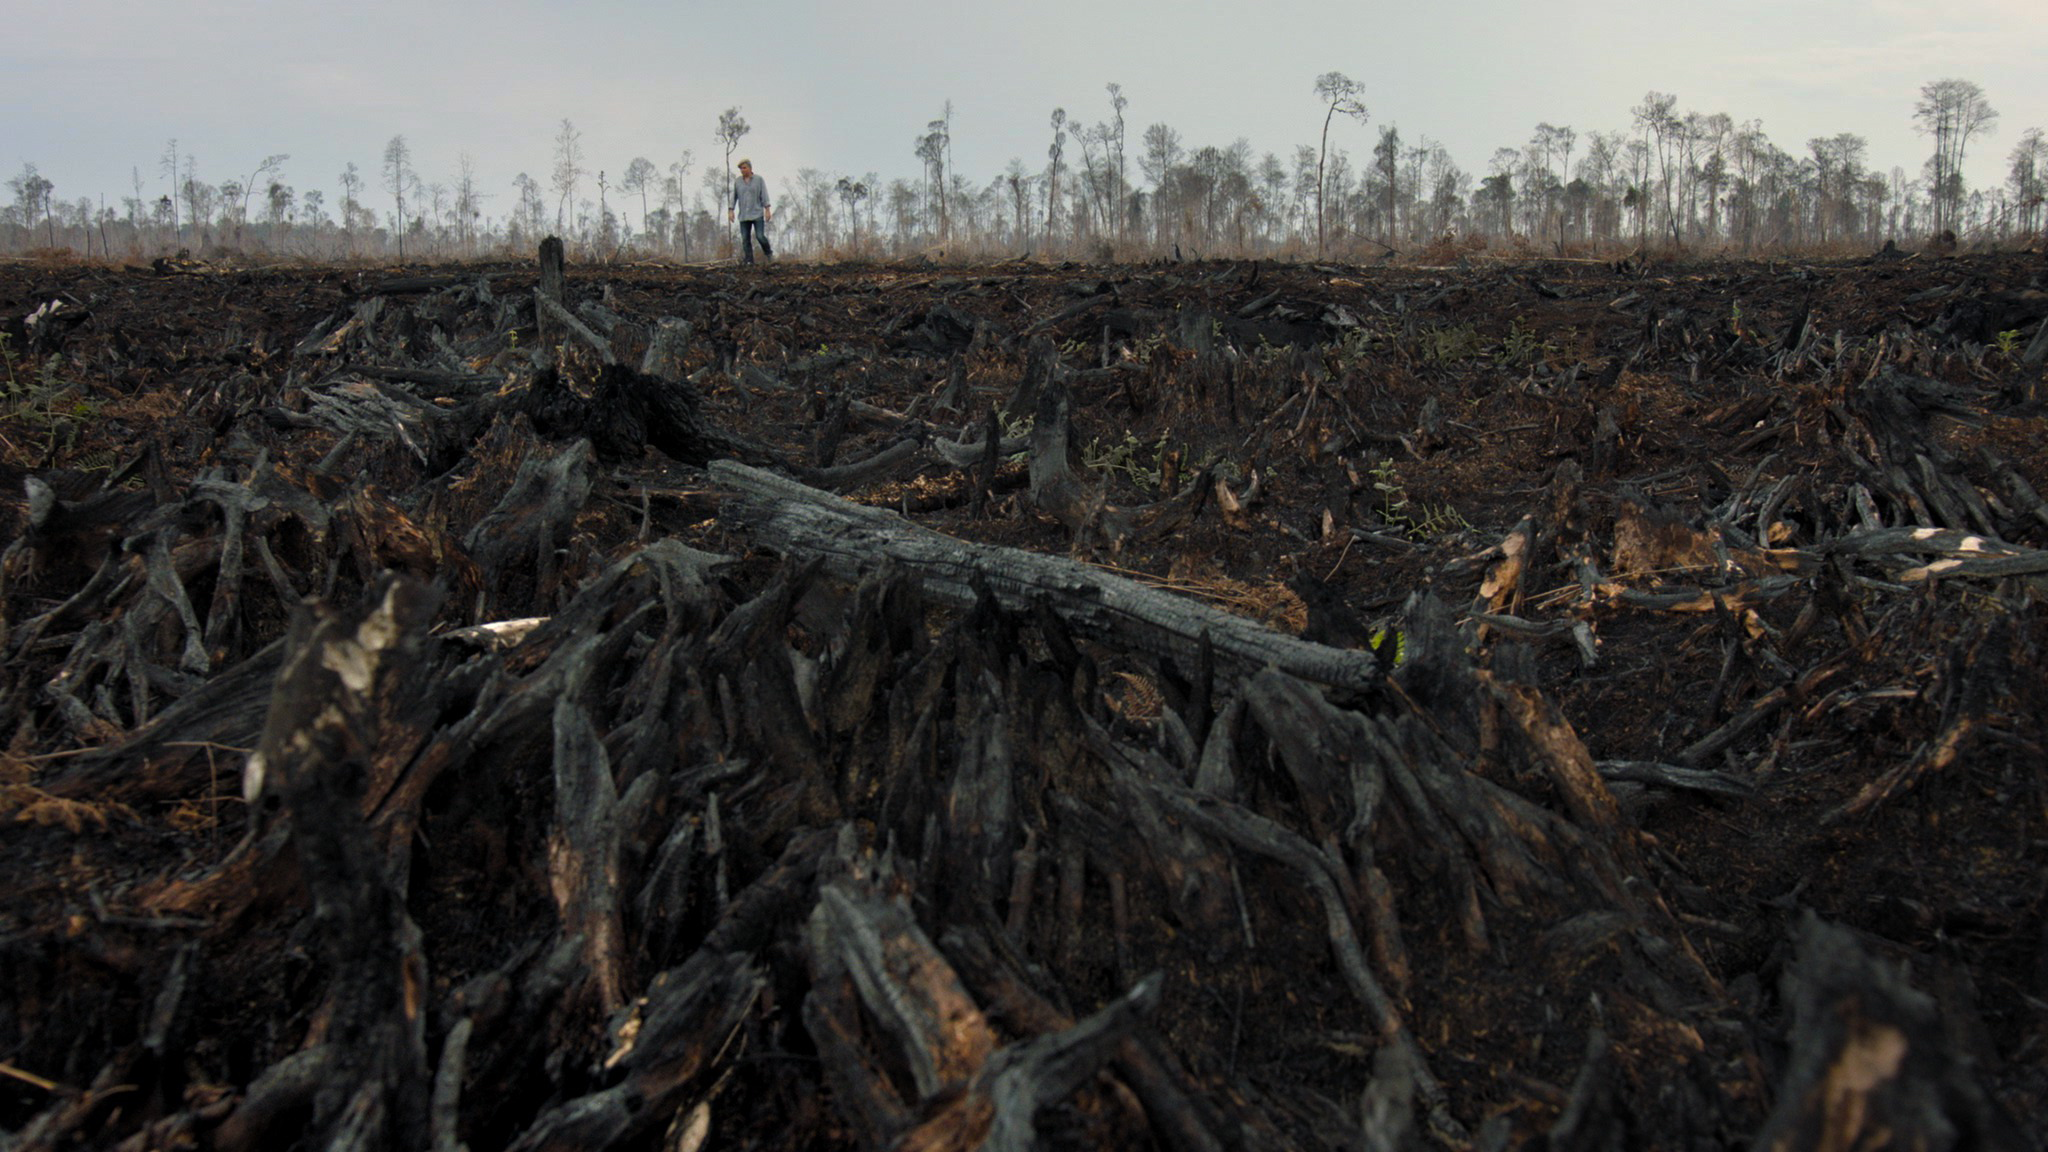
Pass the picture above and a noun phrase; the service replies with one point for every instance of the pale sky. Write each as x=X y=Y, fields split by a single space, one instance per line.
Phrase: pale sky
x=95 y=88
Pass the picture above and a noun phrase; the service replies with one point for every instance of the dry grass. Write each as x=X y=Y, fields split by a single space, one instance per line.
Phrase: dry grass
x=30 y=804
x=1272 y=604
x=24 y=802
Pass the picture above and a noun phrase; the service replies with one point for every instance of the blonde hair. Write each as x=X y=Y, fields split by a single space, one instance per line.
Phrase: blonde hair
x=746 y=163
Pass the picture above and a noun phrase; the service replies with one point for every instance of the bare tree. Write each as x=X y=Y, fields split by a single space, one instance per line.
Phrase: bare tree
x=231 y=206
x=608 y=239
x=1162 y=150
x=1838 y=170
x=718 y=186
x=1447 y=184
x=351 y=182
x=1951 y=111
x=813 y=200
x=532 y=209
x=1825 y=181
x=1053 y=154
x=32 y=198
x=933 y=149
x=398 y=180
x=278 y=201
x=254 y=180
x=1498 y=189
x=1160 y=153
x=435 y=198
x=1119 y=174
x=569 y=168
x=640 y=176
x=313 y=210
x=851 y=193
x=168 y=165
x=1387 y=162
x=1551 y=140
x=2027 y=179
x=1339 y=93
x=731 y=127
x=873 y=180
x=135 y=206
x=945 y=213
x=1748 y=150
x=675 y=197
x=1713 y=172
x=468 y=203
x=1093 y=187
x=1660 y=123
x=199 y=197
x=903 y=200
x=1272 y=196
x=1017 y=180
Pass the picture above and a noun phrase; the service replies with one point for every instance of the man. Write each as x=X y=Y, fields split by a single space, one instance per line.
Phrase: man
x=750 y=207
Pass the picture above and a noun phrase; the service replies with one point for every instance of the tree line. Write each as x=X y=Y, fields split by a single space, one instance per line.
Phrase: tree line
x=1669 y=177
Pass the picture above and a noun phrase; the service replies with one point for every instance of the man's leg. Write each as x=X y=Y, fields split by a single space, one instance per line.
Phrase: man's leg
x=762 y=232
x=747 y=241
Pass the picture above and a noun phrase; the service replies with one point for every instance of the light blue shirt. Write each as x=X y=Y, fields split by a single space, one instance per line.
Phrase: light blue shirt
x=750 y=197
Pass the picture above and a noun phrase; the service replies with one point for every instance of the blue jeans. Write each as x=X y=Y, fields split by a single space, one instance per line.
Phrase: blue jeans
x=750 y=231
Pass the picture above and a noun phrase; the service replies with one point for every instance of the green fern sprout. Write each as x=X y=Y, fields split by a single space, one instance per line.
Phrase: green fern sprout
x=1415 y=519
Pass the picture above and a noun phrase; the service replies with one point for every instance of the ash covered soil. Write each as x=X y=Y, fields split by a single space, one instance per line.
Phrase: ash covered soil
x=1558 y=704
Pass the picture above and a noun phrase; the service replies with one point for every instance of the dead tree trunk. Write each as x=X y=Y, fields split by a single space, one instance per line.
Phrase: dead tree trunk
x=1872 y=1063
x=852 y=540
x=552 y=288
x=316 y=753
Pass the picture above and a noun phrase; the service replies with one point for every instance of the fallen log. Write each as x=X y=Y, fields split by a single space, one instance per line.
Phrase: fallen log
x=852 y=540
x=555 y=311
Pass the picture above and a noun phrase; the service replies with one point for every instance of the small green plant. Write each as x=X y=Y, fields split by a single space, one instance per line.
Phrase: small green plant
x=1015 y=428
x=1417 y=519
x=1522 y=348
x=1379 y=643
x=40 y=404
x=1450 y=343
x=1350 y=350
x=1393 y=495
x=1145 y=348
x=1143 y=463
x=1265 y=352
x=2008 y=343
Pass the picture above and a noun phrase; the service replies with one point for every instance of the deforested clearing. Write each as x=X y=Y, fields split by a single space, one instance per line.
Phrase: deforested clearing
x=1565 y=704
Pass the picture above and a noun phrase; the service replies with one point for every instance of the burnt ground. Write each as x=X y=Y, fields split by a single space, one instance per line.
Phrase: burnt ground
x=1662 y=509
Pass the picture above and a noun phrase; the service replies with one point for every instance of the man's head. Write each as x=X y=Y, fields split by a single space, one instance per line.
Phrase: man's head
x=746 y=169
